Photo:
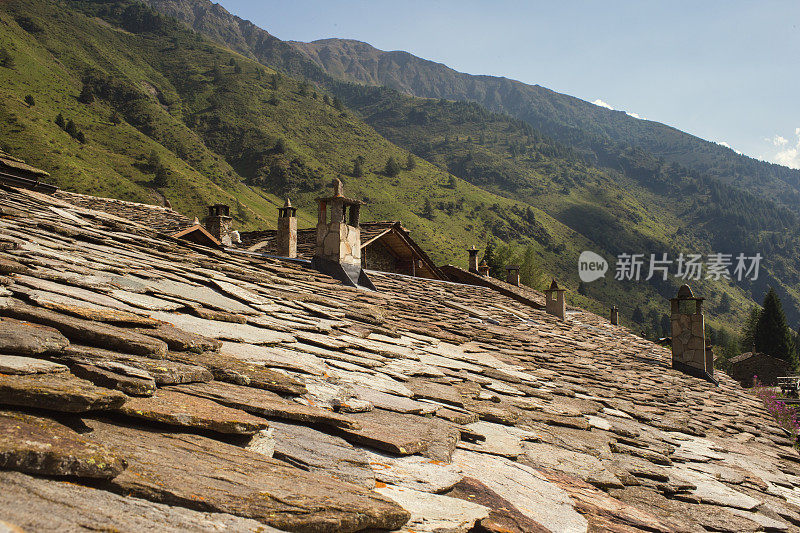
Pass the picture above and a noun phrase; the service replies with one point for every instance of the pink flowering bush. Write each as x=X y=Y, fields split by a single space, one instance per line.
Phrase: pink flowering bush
x=786 y=416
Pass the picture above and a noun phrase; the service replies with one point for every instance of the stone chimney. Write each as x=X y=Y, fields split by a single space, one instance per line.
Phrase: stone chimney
x=689 y=353
x=614 y=315
x=555 y=304
x=286 y=238
x=483 y=269
x=219 y=223
x=473 y=259
x=512 y=275
x=338 y=249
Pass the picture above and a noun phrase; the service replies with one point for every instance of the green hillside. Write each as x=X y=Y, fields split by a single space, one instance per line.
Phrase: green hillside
x=718 y=201
x=165 y=112
x=176 y=115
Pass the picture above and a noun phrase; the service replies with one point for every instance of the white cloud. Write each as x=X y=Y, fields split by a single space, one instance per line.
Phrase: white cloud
x=603 y=104
x=788 y=154
x=726 y=145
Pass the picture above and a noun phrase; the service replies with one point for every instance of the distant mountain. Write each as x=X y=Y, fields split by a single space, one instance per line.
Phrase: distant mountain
x=563 y=117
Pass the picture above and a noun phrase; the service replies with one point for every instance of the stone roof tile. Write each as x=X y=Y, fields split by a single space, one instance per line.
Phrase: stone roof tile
x=583 y=425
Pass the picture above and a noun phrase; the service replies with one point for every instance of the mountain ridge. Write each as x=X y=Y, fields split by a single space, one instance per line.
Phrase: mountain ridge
x=551 y=112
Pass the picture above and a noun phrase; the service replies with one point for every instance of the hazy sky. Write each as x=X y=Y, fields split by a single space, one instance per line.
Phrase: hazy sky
x=725 y=70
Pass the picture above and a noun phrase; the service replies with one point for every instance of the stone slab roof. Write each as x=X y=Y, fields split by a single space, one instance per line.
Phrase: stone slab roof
x=159 y=218
x=264 y=240
x=148 y=383
x=14 y=164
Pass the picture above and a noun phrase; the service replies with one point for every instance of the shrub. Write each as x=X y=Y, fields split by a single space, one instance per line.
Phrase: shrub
x=785 y=416
x=6 y=59
x=29 y=25
x=30 y=101
x=60 y=121
x=87 y=94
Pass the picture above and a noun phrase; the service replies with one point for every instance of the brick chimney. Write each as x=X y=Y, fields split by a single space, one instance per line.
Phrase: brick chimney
x=483 y=269
x=689 y=352
x=555 y=304
x=338 y=249
x=512 y=275
x=614 y=315
x=286 y=238
x=219 y=223
x=473 y=259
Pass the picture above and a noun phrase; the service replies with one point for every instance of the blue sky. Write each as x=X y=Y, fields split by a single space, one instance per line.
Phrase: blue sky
x=727 y=71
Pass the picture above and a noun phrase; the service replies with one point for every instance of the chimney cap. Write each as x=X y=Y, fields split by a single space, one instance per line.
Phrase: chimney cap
x=288 y=203
x=338 y=194
x=554 y=287
x=219 y=210
x=685 y=293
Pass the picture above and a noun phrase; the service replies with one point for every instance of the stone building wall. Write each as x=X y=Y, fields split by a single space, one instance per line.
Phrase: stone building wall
x=377 y=257
x=767 y=368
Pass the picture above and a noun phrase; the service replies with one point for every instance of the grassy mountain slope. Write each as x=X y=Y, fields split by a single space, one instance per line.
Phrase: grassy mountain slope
x=561 y=116
x=50 y=59
x=638 y=199
x=226 y=128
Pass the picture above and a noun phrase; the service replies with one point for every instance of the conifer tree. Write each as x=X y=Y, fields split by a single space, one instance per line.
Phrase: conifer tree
x=725 y=303
x=392 y=168
x=773 y=336
x=153 y=161
x=411 y=163
x=60 y=121
x=638 y=315
x=160 y=179
x=749 y=329
x=358 y=171
x=30 y=101
x=427 y=211
x=71 y=128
